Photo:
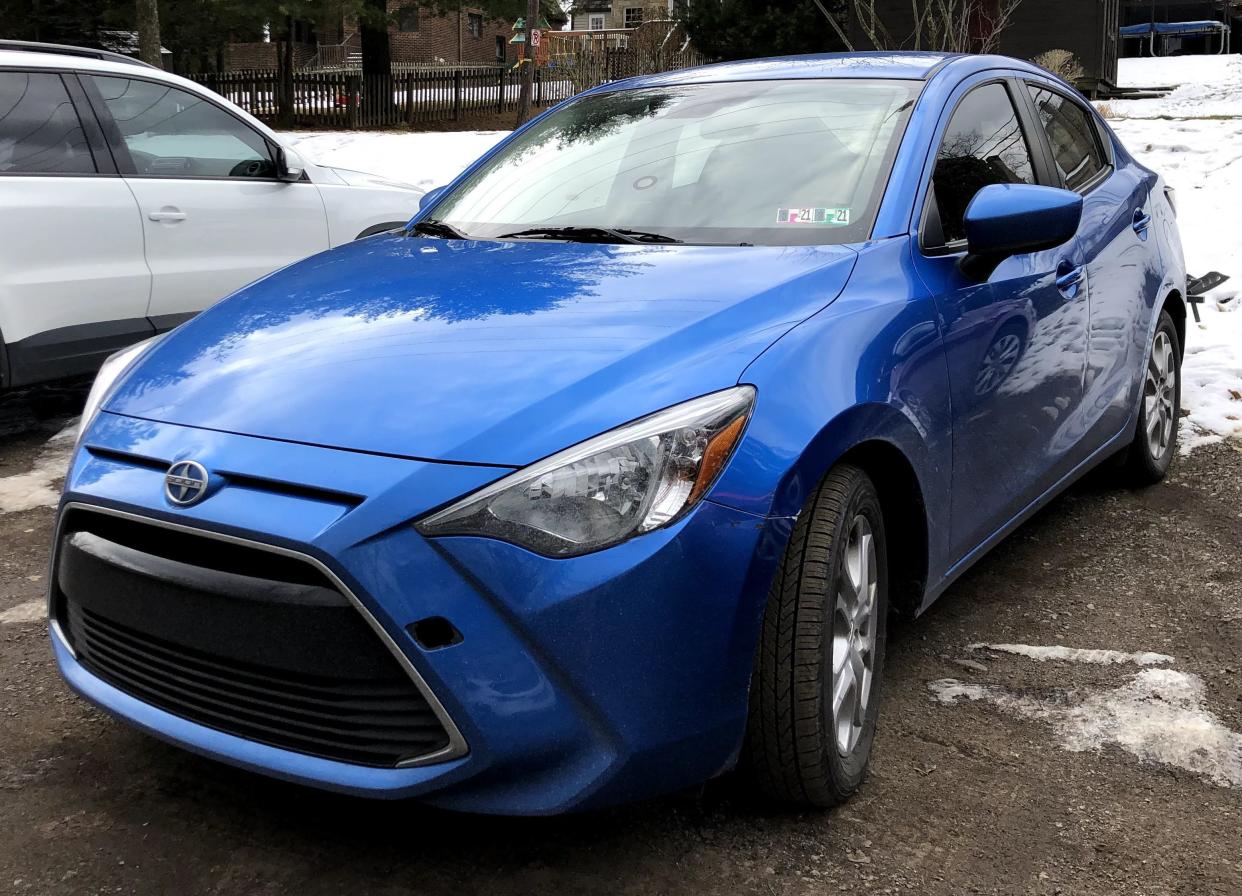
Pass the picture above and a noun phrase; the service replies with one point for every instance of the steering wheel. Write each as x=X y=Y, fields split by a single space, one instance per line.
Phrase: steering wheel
x=142 y=161
x=250 y=168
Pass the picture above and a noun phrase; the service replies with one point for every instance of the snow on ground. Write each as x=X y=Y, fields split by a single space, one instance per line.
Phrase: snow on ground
x=1158 y=716
x=30 y=611
x=1206 y=85
x=425 y=160
x=35 y=487
x=1076 y=654
x=1193 y=137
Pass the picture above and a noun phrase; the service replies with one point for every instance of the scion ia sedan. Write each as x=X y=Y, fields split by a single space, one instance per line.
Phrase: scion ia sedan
x=604 y=476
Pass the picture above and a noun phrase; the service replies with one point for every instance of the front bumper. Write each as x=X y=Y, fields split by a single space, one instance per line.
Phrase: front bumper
x=576 y=683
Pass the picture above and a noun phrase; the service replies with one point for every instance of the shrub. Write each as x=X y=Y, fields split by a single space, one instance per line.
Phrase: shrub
x=1061 y=63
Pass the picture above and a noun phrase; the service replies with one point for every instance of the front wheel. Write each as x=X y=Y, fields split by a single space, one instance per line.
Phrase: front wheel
x=815 y=687
x=1160 y=407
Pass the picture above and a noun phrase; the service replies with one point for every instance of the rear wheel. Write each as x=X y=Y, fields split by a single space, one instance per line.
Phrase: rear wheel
x=814 y=694
x=1160 y=407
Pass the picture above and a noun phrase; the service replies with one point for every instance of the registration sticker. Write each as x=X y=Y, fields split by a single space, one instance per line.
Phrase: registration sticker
x=834 y=217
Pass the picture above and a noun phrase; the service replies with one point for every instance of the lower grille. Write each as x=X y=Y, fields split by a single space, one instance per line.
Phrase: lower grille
x=288 y=663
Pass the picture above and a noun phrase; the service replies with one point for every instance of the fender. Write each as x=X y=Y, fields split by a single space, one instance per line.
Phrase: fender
x=872 y=364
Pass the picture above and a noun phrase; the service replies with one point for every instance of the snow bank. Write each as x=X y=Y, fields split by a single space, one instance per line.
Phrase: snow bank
x=1197 y=147
x=425 y=160
x=1076 y=654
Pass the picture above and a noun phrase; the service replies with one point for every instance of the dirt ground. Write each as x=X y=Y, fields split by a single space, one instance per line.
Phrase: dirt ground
x=963 y=798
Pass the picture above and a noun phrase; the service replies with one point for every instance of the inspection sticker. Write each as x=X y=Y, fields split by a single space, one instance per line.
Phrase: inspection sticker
x=836 y=217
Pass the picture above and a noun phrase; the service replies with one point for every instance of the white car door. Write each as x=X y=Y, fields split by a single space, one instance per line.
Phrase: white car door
x=74 y=284
x=215 y=215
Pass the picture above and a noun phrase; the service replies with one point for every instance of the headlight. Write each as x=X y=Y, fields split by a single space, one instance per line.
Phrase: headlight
x=109 y=373
x=634 y=479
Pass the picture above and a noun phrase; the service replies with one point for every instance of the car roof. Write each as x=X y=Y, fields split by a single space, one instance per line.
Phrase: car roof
x=908 y=66
x=29 y=59
x=913 y=66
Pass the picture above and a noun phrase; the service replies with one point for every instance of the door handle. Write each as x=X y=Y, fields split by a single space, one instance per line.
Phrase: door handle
x=1142 y=221
x=169 y=215
x=1069 y=278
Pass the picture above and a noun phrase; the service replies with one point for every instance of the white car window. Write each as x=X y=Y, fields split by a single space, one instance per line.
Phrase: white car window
x=39 y=129
x=174 y=133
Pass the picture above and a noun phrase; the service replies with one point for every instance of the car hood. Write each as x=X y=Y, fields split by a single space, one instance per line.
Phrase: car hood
x=352 y=178
x=479 y=352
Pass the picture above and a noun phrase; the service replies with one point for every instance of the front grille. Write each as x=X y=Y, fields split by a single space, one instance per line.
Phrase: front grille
x=289 y=663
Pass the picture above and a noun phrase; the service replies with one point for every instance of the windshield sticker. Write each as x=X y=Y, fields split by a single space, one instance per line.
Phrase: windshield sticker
x=834 y=217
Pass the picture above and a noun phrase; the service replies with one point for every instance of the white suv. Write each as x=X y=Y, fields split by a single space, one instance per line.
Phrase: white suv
x=130 y=199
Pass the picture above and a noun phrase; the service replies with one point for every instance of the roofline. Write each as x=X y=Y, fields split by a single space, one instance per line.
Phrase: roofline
x=30 y=46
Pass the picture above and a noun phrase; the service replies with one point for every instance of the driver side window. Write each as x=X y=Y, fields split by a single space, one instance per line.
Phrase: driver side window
x=174 y=133
x=983 y=145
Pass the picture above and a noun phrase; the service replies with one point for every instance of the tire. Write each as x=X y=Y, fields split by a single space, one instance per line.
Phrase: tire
x=1160 y=408
x=795 y=750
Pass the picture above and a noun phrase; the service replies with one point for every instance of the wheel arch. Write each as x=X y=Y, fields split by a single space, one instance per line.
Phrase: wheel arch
x=883 y=442
x=1176 y=306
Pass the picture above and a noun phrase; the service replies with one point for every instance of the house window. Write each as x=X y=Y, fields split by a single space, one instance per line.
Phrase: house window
x=595 y=23
x=475 y=24
x=501 y=49
x=407 y=18
x=633 y=16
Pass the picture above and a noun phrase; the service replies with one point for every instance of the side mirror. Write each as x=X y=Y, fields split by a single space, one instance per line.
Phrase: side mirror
x=1013 y=219
x=289 y=165
x=429 y=198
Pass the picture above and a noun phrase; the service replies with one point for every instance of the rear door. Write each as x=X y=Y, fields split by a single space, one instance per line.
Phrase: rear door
x=1015 y=344
x=74 y=283
x=1113 y=237
x=214 y=213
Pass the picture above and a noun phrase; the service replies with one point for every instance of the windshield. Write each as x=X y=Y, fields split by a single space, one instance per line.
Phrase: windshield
x=773 y=163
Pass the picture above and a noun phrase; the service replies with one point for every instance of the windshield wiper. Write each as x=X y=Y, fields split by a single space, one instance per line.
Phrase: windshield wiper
x=432 y=227
x=577 y=234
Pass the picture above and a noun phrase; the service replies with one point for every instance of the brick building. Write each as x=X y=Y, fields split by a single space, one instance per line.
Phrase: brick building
x=416 y=34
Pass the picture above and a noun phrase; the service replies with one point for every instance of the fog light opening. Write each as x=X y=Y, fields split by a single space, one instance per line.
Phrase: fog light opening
x=435 y=632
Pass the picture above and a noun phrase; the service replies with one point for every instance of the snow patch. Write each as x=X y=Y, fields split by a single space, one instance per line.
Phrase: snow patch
x=35 y=487
x=1159 y=716
x=1076 y=654
x=30 y=611
x=425 y=160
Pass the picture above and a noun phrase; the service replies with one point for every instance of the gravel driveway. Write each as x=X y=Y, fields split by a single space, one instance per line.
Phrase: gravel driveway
x=994 y=771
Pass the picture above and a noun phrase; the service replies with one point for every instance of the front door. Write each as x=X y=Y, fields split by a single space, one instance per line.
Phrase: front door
x=1015 y=344
x=215 y=216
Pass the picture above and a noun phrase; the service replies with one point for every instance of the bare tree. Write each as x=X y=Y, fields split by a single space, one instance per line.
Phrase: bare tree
x=147 y=18
x=946 y=26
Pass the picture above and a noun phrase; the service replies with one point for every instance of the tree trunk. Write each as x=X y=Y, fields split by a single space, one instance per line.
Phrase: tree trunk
x=285 y=94
x=147 y=20
x=528 y=66
x=376 y=59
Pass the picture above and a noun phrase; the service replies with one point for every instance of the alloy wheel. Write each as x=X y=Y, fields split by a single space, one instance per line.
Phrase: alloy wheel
x=1159 y=392
x=854 y=636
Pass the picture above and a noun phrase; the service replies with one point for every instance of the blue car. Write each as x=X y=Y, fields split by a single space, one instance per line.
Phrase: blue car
x=606 y=475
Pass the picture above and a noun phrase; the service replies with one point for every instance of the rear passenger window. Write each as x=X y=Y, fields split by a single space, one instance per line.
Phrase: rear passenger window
x=1072 y=136
x=39 y=128
x=983 y=145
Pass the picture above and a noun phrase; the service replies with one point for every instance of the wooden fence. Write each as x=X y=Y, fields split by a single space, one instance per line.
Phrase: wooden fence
x=347 y=99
